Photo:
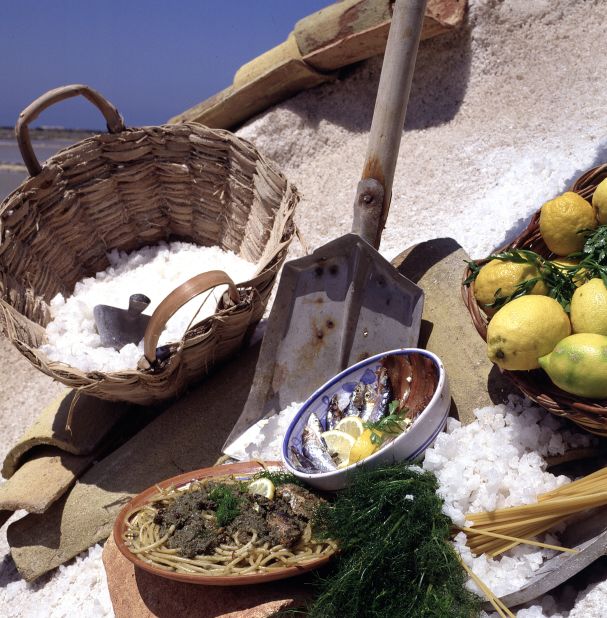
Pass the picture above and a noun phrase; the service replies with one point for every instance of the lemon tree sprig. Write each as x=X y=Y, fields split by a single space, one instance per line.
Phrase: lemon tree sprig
x=593 y=256
x=559 y=279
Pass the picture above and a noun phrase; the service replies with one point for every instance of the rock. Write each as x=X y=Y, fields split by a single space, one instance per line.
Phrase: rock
x=137 y=593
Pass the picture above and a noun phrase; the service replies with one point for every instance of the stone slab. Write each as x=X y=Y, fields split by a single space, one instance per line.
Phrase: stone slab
x=186 y=436
x=137 y=593
x=92 y=420
x=42 y=480
x=437 y=267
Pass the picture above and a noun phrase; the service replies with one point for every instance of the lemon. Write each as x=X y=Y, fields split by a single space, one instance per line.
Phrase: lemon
x=561 y=221
x=589 y=308
x=499 y=278
x=262 y=487
x=565 y=265
x=578 y=365
x=339 y=443
x=599 y=201
x=365 y=445
x=525 y=329
x=352 y=425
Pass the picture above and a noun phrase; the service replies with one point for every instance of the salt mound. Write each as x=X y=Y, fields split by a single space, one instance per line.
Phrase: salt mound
x=495 y=462
x=154 y=271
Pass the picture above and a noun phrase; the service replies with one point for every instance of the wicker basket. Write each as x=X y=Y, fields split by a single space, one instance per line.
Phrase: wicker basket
x=591 y=414
x=123 y=190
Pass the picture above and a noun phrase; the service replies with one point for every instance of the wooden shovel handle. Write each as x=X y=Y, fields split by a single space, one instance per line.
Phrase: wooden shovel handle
x=374 y=191
x=176 y=299
x=115 y=123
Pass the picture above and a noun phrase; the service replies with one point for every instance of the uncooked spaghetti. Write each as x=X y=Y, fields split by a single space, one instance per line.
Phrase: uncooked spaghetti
x=227 y=531
x=495 y=532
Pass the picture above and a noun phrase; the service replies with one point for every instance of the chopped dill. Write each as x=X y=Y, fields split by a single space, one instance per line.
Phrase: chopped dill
x=394 y=556
x=227 y=504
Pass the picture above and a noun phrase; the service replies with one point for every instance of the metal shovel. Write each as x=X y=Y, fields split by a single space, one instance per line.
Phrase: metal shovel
x=345 y=302
x=117 y=327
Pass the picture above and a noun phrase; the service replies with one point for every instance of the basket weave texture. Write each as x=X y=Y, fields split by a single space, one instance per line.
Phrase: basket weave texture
x=590 y=414
x=125 y=190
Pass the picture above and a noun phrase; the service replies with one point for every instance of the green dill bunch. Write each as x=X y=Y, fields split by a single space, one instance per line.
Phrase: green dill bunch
x=395 y=558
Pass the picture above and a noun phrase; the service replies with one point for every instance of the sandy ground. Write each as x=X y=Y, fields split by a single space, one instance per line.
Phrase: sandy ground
x=503 y=115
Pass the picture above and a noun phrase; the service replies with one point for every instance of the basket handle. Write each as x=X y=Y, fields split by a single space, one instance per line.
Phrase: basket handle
x=115 y=123
x=175 y=300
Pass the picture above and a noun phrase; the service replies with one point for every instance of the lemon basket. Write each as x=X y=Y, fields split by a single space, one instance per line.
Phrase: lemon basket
x=590 y=414
x=126 y=189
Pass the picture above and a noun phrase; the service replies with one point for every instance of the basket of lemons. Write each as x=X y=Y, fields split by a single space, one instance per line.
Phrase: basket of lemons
x=540 y=303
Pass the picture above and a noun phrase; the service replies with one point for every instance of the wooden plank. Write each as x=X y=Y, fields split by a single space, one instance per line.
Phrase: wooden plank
x=334 y=37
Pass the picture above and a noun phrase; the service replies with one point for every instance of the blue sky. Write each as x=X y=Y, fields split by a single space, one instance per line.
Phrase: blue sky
x=151 y=58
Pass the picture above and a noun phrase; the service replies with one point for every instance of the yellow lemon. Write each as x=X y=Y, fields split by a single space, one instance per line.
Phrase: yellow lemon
x=339 y=444
x=599 y=201
x=352 y=425
x=589 y=308
x=365 y=445
x=262 y=487
x=525 y=329
x=578 y=365
x=561 y=222
x=565 y=264
x=499 y=278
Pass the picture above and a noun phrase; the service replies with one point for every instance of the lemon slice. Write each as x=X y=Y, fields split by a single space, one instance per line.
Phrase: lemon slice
x=352 y=425
x=262 y=487
x=339 y=444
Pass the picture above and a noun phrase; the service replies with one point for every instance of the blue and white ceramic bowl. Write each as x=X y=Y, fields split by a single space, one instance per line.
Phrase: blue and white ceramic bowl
x=406 y=446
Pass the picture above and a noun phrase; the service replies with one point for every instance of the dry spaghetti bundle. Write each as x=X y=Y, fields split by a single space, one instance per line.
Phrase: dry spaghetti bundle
x=498 y=531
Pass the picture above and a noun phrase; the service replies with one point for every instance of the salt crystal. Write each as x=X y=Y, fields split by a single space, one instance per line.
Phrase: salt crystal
x=153 y=271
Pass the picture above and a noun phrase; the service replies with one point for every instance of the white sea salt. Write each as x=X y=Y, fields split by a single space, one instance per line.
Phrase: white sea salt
x=154 y=271
x=263 y=440
x=80 y=589
x=495 y=462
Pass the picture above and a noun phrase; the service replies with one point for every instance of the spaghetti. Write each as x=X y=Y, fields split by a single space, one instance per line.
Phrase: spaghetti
x=232 y=549
x=495 y=532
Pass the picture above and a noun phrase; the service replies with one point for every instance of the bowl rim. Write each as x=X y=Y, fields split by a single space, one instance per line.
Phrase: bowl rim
x=442 y=379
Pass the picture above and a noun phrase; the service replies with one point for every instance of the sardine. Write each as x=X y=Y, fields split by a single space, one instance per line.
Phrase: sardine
x=379 y=399
x=314 y=447
x=369 y=398
x=301 y=461
x=334 y=414
x=357 y=401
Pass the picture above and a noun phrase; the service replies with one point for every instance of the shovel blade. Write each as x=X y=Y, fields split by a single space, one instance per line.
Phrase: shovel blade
x=118 y=327
x=333 y=308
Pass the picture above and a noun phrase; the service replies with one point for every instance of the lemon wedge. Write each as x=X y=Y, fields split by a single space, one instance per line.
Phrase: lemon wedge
x=365 y=445
x=339 y=443
x=262 y=487
x=352 y=425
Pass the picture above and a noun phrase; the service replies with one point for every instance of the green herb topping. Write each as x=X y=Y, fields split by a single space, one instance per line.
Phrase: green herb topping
x=227 y=504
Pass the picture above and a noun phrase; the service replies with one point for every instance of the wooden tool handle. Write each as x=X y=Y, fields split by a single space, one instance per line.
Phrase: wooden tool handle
x=374 y=191
x=176 y=299
x=115 y=123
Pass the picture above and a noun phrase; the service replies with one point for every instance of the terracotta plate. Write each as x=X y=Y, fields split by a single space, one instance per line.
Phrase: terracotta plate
x=240 y=471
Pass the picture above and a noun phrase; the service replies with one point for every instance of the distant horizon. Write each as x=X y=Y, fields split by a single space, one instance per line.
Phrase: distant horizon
x=152 y=59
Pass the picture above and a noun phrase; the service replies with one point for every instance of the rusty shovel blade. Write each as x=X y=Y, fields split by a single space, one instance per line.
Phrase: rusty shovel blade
x=118 y=327
x=333 y=308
